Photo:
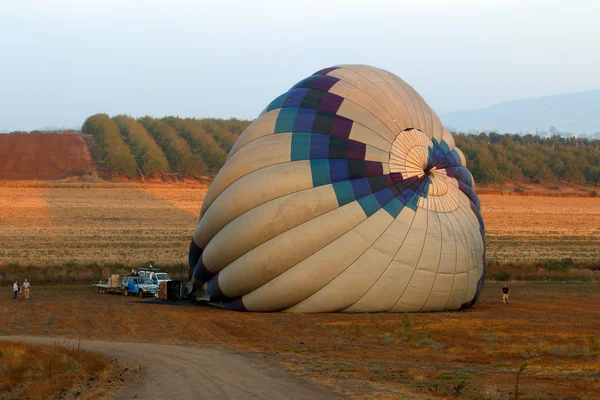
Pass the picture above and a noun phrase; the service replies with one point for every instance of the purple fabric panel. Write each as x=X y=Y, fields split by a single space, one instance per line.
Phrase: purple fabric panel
x=341 y=127
x=194 y=248
x=389 y=180
x=412 y=181
x=356 y=150
x=396 y=177
x=331 y=103
x=325 y=83
x=374 y=168
x=325 y=71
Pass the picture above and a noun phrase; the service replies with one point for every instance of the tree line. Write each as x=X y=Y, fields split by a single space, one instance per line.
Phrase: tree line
x=154 y=147
x=493 y=158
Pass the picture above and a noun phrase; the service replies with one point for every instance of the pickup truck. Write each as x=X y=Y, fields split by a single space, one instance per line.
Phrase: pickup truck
x=157 y=275
x=130 y=285
x=138 y=285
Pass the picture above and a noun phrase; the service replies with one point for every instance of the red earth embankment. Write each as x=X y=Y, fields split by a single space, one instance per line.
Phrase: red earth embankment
x=43 y=156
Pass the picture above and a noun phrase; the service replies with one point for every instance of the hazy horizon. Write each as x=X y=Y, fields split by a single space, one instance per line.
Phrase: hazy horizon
x=64 y=60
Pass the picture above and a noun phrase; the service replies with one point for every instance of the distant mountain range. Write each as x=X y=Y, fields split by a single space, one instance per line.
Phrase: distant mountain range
x=565 y=114
x=577 y=113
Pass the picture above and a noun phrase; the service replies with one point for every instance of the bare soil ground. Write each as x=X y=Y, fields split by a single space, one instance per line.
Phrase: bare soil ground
x=39 y=156
x=186 y=372
x=553 y=328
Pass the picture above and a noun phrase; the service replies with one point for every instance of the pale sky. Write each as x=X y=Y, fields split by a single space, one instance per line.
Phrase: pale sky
x=63 y=60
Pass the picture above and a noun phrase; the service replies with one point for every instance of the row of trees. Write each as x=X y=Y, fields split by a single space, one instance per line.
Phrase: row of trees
x=151 y=147
x=192 y=147
x=115 y=152
x=149 y=157
x=495 y=158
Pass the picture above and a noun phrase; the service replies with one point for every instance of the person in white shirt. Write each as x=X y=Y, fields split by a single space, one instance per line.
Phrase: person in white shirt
x=15 y=290
x=26 y=286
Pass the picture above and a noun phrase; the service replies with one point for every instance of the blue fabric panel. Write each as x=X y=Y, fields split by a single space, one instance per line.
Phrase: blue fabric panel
x=448 y=160
x=444 y=149
x=304 y=120
x=425 y=187
x=300 y=146
x=412 y=202
x=201 y=273
x=369 y=204
x=431 y=156
x=401 y=198
x=319 y=146
x=294 y=98
x=384 y=196
x=394 y=207
x=468 y=190
x=456 y=157
x=339 y=170
x=235 y=305
x=320 y=172
x=361 y=187
x=194 y=254
x=343 y=192
x=277 y=103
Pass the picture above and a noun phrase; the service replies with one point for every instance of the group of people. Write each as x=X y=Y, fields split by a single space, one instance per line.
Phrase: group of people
x=19 y=288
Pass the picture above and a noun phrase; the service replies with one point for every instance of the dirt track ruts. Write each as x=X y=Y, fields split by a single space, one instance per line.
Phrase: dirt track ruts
x=185 y=372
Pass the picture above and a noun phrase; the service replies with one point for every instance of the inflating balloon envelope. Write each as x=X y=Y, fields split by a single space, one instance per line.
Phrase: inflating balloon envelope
x=345 y=194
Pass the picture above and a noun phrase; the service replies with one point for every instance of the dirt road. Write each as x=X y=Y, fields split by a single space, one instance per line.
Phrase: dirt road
x=185 y=372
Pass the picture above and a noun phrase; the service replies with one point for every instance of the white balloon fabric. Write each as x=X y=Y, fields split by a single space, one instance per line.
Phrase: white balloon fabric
x=345 y=195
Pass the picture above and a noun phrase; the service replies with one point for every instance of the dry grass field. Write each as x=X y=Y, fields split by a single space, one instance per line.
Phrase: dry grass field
x=74 y=226
x=551 y=330
x=526 y=228
x=42 y=226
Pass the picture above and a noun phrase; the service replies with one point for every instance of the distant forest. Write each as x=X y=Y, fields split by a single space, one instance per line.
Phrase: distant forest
x=190 y=148
x=158 y=147
x=493 y=158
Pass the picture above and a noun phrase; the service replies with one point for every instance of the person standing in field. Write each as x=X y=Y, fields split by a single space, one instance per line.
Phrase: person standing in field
x=15 y=290
x=505 y=291
x=26 y=286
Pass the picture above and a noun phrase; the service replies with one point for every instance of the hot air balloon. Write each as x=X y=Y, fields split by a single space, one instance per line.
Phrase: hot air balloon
x=346 y=194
